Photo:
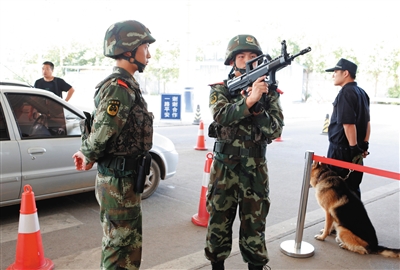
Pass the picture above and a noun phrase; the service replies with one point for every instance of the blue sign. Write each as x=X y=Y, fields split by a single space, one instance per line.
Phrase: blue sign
x=171 y=106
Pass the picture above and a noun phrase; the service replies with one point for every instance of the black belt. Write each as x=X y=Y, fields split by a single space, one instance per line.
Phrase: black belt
x=228 y=149
x=340 y=146
x=120 y=163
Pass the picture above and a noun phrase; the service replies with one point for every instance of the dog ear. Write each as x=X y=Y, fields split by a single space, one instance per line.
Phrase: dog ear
x=314 y=164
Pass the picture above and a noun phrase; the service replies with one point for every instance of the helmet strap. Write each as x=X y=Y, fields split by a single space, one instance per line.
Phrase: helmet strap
x=231 y=73
x=132 y=59
x=139 y=65
x=241 y=70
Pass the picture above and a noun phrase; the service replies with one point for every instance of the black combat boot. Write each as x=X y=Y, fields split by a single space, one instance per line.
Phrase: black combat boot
x=218 y=265
x=258 y=267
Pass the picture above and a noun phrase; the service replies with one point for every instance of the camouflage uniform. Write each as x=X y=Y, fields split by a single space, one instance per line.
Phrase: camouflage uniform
x=121 y=131
x=239 y=174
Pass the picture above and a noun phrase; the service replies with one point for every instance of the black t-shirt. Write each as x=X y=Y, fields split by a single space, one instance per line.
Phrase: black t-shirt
x=57 y=86
x=351 y=106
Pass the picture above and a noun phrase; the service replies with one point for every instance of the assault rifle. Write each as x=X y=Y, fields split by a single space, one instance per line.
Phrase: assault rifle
x=266 y=66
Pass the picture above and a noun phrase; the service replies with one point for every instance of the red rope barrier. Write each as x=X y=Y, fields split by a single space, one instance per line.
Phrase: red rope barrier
x=357 y=167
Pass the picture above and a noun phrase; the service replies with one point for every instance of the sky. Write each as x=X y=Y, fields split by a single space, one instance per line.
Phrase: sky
x=27 y=24
x=356 y=25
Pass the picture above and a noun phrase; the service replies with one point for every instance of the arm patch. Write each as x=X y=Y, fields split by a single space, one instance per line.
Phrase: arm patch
x=213 y=98
x=113 y=107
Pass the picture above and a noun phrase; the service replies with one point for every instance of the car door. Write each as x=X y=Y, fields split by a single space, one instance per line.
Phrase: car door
x=10 y=159
x=49 y=136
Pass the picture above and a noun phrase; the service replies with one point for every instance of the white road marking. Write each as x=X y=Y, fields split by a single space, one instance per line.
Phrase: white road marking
x=51 y=223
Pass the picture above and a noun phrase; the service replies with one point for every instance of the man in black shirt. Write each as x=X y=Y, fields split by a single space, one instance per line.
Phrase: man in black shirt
x=53 y=84
x=349 y=128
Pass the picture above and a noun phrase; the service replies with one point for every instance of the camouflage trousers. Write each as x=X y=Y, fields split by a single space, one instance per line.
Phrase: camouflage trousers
x=121 y=219
x=243 y=188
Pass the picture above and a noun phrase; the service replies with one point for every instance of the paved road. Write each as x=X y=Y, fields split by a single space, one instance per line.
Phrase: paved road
x=71 y=232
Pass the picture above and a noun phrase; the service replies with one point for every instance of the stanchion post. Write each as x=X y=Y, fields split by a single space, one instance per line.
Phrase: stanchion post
x=299 y=248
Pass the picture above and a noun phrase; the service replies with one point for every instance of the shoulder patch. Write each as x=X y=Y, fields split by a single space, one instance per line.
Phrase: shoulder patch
x=218 y=83
x=113 y=107
x=122 y=83
x=213 y=98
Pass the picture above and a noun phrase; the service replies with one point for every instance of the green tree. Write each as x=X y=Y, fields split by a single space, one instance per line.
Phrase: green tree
x=375 y=66
x=164 y=65
x=348 y=54
x=307 y=61
x=73 y=54
x=393 y=64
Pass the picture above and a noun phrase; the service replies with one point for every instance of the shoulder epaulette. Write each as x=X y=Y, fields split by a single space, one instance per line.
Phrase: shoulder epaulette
x=218 y=83
x=122 y=83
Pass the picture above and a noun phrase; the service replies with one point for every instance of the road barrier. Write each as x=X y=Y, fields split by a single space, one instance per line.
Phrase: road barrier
x=298 y=248
x=201 y=218
x=326 y=125
x=197 y=116
x=357 y=167
x=30 y=254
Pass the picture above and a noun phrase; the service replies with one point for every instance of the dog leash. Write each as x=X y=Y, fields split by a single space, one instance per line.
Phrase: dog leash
x=356 y=160
x=347 y=176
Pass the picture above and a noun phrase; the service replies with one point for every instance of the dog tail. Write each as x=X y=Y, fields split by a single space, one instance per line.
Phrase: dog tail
x=388 y=252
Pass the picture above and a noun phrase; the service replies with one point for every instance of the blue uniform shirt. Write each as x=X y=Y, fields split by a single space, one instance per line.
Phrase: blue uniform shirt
x=351 y=106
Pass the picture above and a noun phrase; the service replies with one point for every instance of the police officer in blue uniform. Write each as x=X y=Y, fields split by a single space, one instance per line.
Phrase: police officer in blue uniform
x=349 y=128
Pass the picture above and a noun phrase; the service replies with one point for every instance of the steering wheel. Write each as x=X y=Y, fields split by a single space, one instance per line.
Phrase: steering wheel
x=39 y=127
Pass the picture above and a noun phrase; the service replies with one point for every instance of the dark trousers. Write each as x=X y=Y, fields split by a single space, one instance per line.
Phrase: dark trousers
x=343 y=153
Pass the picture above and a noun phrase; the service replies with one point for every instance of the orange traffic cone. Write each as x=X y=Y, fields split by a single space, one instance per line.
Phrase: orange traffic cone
x=201 y=218
x=30 y=253
x=201 y=140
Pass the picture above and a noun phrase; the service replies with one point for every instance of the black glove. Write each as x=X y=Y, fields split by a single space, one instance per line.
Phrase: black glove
x=364 y=146
x=256 y=108
x=272 y=87
x=356 y=154
x=355 y=151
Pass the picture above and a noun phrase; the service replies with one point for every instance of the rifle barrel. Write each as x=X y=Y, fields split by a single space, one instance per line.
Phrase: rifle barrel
x=304 y=51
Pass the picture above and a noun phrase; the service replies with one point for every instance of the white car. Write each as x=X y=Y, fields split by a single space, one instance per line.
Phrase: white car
x=39 y=133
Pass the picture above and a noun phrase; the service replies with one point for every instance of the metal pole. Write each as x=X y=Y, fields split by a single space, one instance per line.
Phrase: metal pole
x=295 y=248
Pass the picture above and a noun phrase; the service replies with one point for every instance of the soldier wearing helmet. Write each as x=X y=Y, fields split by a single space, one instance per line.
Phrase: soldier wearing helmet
x=119 y=143
x=239 y=174
x=239 y=44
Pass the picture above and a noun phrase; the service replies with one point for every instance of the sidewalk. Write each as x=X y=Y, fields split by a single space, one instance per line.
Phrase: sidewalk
x=382 y=205
x=327 y=254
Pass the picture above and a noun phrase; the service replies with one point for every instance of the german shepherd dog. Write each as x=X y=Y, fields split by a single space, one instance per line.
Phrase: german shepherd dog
x=346 y=213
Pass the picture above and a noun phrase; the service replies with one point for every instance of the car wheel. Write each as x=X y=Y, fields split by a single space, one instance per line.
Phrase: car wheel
x=152 y=180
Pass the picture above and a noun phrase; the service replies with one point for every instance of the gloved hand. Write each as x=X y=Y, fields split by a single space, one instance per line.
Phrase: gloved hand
x=356 y=154
x=364 y=146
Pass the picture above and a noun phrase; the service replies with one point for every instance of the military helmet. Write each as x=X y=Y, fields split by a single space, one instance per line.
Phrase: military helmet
x=125 y=36
x=239 y=44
